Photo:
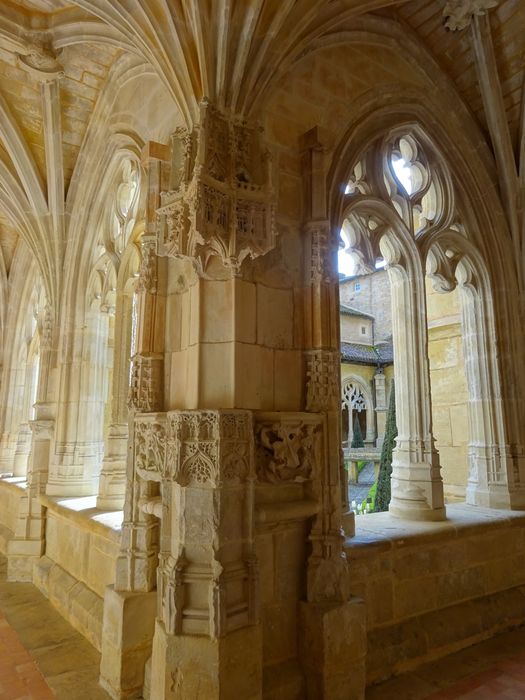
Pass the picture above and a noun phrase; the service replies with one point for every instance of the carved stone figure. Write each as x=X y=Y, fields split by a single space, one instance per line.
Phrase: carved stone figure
x=287 y=450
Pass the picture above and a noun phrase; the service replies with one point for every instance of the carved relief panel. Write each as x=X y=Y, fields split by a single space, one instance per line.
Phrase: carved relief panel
x=288 y=447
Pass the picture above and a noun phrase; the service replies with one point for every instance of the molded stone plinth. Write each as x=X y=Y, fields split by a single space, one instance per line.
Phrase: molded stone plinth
x=186 y=666
x=126 y=641
x=333 y=649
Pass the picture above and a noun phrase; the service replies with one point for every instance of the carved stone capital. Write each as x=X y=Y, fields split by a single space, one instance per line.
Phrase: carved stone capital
x=42 y=429
x=206 y=544
x=458 y=14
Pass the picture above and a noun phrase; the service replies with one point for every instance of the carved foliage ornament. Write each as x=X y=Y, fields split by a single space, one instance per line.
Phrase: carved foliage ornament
x=194 y=448
x=147 y=281
x=458 y=14
x=221 y=202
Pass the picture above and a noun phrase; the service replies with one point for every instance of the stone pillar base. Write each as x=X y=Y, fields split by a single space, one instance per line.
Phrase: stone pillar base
x=110 y=502
x=333 y=649
x=186 y=666
x=27 y=545
x=22 y=555
x=127 y=634
x=72 y=488
x=410 y=510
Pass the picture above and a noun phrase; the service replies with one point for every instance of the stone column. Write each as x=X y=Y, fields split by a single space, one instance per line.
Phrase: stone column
x=417 y=486
x=381 y=406
x=12 y=393
x=491 y=471
x=370 y=426
x=207 y=641
x=28 y=541
x=23 y=443
x=130 y=605
x=112 y=482
x=22 y=450
x=332 y=625
x=79 y=445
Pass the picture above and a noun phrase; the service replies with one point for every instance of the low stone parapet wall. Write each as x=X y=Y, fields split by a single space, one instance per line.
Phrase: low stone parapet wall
x=433 y=588
x=81 y=547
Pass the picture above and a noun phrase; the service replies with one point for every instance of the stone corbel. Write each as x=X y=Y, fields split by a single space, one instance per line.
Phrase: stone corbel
x=441 y=269
x=221 y=202
x=458 y=14
x=41 y=62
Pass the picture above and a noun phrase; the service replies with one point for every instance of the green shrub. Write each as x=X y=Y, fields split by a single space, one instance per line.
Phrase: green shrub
x=383 y=493
x=357 y=440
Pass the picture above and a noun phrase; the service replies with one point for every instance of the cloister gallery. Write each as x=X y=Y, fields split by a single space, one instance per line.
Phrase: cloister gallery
x=176 y=181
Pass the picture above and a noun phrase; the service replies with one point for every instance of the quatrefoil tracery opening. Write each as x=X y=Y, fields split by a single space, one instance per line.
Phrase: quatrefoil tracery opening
x=397 y=170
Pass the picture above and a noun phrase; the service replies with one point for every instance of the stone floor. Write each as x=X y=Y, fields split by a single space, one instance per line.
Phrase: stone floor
x=41 y=655
x=492 y=670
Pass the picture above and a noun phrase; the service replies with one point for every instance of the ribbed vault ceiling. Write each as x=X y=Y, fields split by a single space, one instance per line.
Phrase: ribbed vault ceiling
x=228 y=50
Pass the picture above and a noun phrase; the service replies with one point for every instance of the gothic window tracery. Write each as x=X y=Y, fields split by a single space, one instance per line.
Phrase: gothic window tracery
x=353 y=397
x=397 y=170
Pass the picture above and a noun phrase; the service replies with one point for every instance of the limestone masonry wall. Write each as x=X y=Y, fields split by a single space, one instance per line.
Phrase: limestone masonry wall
x=78 y=564
x=430 y=590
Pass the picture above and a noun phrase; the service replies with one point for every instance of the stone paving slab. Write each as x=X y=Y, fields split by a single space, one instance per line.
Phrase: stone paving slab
x=41 y=655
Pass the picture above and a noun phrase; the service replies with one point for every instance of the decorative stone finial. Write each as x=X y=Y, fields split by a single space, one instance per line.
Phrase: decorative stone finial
x=458 y=14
